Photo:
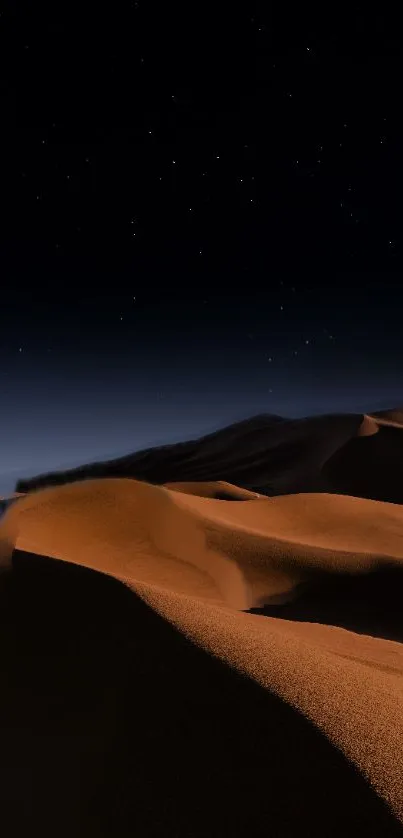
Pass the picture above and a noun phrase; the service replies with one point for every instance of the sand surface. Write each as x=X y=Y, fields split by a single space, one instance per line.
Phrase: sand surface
x=393 y=423
x=369 y=426
x=201 y=562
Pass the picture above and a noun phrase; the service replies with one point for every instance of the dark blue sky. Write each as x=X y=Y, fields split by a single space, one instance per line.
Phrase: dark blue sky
x=241 y=181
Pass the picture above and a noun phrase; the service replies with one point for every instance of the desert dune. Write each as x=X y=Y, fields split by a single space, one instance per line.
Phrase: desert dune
x=217 y=489
x=392 y=423
x=347 y=454
x=394 y=414
x=202 y=563
x=267 y=558
x=368 y=427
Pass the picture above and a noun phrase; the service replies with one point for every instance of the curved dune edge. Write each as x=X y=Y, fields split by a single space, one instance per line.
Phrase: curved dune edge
x=349 y=697
x=208 y=489
x=240 y=554
x=368 y=427
x=349 y=685
x=393 y=423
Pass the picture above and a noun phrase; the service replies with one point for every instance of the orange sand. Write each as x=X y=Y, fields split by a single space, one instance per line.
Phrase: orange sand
x=198 y=561
x=389 y=422
x=369 y=426
x=209 y=489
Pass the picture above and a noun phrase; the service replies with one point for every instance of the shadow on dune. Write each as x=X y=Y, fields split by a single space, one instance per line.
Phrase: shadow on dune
x=369 y=603
x=369 y=467
x=114 y=724
x=269 y=455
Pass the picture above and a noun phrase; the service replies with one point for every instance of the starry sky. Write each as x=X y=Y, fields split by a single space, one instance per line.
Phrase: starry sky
x=200 y=220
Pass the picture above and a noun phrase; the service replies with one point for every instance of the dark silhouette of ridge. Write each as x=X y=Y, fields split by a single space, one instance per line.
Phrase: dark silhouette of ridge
x=369 y=467
x=271 y=453
x=113 y=723
x=268 y=454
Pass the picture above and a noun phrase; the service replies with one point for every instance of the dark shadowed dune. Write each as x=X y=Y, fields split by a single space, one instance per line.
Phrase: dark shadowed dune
x=366 y=604
x=114 y=724
x=267 y=454
x=369 y=467
x=271 y=455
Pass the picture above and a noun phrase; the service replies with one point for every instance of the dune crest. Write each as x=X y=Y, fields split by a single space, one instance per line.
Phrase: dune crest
x=252 y=552
x=369 y=426
x=201 y=563
x=217 y=489
x=392 y=417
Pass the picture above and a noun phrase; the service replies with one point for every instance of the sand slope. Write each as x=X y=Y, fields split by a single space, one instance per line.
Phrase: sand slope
x=217 y=489
x=198 y=560
x=393 y=416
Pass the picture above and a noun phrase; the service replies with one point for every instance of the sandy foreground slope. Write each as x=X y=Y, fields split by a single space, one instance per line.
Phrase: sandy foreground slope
x=201 y=562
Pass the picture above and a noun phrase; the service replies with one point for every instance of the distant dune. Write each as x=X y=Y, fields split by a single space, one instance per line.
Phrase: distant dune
x=218 y=489
x=393 y=415
x=284 y=586
x=349 y=454
x=369 y=427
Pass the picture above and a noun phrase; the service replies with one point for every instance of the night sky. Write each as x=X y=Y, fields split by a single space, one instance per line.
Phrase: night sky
x=201 y=219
